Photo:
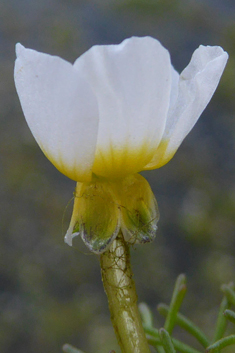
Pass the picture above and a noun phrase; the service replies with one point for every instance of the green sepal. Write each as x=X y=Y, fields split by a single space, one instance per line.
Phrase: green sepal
x=139 y=210
x=101 y=207
x=98 y=216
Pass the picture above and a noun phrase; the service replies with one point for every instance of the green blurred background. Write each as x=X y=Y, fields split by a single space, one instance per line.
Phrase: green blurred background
x=50 y=293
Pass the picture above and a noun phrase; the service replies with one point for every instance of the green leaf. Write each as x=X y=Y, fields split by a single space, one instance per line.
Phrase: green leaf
x=152 y=332
x=166 y=341
x=154 y=338
x=146 y=315
x=230 y=315
x=186 y=324
x=179 y=346
x=221 y=320
x=183 y=348
x=229 y=293
x=156 y=343
x=224 y=342
x=176 y=301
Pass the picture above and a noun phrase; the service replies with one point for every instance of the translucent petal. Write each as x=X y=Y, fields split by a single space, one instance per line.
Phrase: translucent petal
x=132 y=83
x=60 y=109
x=139 y=210
x=196 y=86
x=73 y=229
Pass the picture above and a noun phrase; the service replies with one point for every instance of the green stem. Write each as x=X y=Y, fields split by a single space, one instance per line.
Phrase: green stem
x=120 y=289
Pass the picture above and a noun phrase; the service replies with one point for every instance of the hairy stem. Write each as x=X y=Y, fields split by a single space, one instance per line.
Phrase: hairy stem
x=120 y=289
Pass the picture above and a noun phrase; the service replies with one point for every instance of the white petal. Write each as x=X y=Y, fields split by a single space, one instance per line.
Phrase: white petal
x=132 y=83
x=174 y=88
x=197 y=84
x=60 y=109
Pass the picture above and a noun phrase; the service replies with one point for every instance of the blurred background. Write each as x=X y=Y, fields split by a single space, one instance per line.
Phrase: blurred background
x=50 y=293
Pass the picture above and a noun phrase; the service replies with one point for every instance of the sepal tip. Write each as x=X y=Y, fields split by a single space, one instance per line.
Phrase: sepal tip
x=68 y=239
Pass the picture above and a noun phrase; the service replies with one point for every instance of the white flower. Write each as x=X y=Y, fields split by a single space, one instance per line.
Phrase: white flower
x=118 y=110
